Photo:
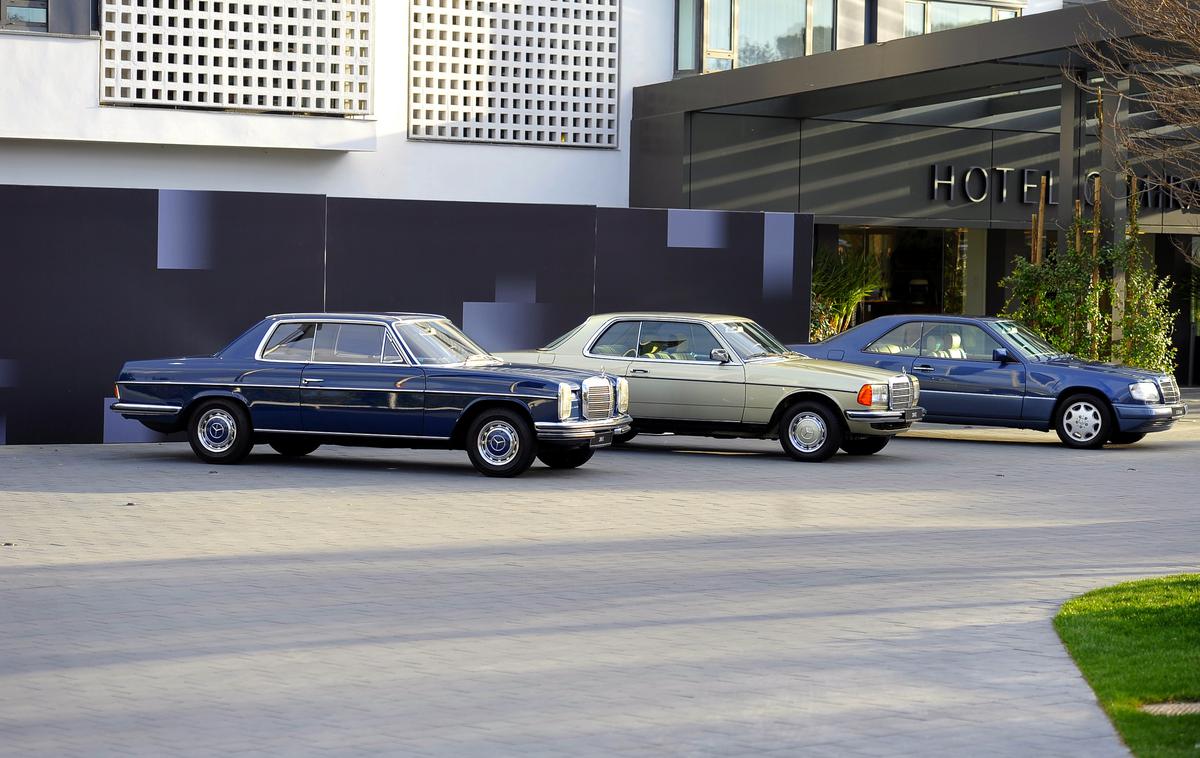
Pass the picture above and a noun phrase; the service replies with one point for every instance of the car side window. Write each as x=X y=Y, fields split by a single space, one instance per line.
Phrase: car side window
x=290 y=342
x=676 y=341
x=903 y=340
x=964 y=342
x=619 y=340
x=391 y=354
x=348 y=343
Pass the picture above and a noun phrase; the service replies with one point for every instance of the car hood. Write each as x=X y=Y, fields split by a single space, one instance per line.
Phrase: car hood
x=1107 y=369
x=814 y=372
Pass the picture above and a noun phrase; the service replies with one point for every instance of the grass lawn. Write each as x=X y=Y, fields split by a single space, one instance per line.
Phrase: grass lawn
x=1137 y=643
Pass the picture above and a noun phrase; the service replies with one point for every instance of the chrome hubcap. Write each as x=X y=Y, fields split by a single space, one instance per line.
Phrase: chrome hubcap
x=217 y=430
x=1082 y=421
x=498 y=443
x=807 y=432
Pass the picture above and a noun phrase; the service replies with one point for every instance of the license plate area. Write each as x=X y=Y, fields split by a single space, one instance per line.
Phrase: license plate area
x=602 y=439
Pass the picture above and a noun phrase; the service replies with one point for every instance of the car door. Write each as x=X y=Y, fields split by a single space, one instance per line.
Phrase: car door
x=671 y=375
x=896 y=349
x=272 y=389
x=959 y=379
x=360 y=383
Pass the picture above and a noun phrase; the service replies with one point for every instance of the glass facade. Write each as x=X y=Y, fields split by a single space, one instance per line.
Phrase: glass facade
x=914 y=19
x=24 y=15
x=923 y=16
x=717 y=35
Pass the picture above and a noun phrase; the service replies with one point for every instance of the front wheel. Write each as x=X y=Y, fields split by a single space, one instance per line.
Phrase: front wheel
x=1083 y=422
x=1127 y=438
x=219 y=432
x=501 y=443
x=865 y=445
x=569 y=457
x=294 y=448
x=810 y=432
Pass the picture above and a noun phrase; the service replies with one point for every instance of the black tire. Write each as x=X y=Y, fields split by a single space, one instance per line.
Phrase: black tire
x=1083 y=422
x=1127 y=438
x=507 y=437
x=865 y=445
x=565 y=457
x=810 y=432
x=294 y=447
x=219 y=432
x=621 y=439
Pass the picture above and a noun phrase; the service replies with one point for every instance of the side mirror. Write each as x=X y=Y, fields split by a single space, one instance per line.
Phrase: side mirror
x=1001 y=356
x=719 y=355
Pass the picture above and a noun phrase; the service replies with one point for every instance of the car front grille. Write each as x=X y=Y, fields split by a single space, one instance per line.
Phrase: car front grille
x=900 y=394
x=1169 y=389
x=597 y=398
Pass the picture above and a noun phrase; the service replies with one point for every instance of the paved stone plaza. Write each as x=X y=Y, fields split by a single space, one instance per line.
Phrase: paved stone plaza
x=678 y=597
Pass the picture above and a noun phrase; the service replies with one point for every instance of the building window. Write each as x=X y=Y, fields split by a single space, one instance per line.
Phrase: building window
x=24 y=15
x=537 y=72
x=717 y=35
x=924 y=16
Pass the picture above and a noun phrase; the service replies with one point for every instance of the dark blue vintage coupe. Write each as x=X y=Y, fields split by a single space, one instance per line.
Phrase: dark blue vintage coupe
x=300 y=380
x=997 y=372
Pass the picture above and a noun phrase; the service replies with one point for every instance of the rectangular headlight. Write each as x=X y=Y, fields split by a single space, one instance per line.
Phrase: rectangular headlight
x=1147 y=392
x=565 y=395
x=622 y=395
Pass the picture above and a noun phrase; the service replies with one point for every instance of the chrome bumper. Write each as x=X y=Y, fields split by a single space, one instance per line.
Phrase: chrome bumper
x=893 y=417
x=582 y=431
x=140 y=409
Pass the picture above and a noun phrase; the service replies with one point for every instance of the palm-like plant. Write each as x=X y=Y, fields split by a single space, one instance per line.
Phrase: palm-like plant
x=841 y=280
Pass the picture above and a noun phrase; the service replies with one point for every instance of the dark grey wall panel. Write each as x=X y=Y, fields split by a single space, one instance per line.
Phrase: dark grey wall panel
x=658 y=161
x=638 y=269
x=745 y=163
x=71 y=16
x=82 y=274
x=512 y=275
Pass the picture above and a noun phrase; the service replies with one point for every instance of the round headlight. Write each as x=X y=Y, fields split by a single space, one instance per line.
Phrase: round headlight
x=1147 y=392
x=622 y=395
x=565 y=395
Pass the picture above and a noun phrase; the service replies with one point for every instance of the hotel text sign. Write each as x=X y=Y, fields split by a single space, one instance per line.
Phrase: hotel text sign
x=977 y=183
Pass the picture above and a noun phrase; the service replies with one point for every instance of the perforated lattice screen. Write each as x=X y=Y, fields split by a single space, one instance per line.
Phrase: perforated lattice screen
x=542 y=72
x=295 y=56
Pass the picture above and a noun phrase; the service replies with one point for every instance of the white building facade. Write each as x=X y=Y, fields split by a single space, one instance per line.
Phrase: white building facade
x=473 y=100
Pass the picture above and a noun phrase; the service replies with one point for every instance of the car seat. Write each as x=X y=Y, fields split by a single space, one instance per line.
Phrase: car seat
x=955 y=350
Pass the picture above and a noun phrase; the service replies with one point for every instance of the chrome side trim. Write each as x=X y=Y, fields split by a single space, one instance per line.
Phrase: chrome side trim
x=992 y=395
x=350 y=434
x=245 y=386
x=143 y=408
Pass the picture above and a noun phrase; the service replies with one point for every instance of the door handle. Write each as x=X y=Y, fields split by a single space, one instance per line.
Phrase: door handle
x=922 y=367
x=306 y=380
x=639 y=371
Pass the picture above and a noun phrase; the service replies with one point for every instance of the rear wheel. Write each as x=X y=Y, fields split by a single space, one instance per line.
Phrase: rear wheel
x=865 y=445
x=565 y=457
x=1083 y=422
x=1127 y=438
x=294 y=448
x=219 y=432
x=501 y=443
x=810 y=432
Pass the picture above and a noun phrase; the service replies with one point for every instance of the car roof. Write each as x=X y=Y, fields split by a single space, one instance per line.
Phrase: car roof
x=393 y=316
x=669 y=314
x=951 y=317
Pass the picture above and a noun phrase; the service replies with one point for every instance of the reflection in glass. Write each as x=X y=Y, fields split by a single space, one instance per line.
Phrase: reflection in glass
x=770 y=30
x=823 y=25
x=914 y=19
x=954 y=15
x=718 y=64
x=720 y=24
x=685 y=55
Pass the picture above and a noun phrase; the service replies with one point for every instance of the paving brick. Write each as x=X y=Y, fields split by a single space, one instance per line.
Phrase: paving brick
x=665 y=598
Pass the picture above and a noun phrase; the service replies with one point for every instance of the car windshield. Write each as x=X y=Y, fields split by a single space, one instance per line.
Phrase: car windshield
x=1027 y=340
x=440 y=343
x=749 y=340
x=553 y=345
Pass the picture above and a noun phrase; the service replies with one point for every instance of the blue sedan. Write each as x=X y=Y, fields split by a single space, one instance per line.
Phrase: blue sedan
x=300 y=380
x=997 y=372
